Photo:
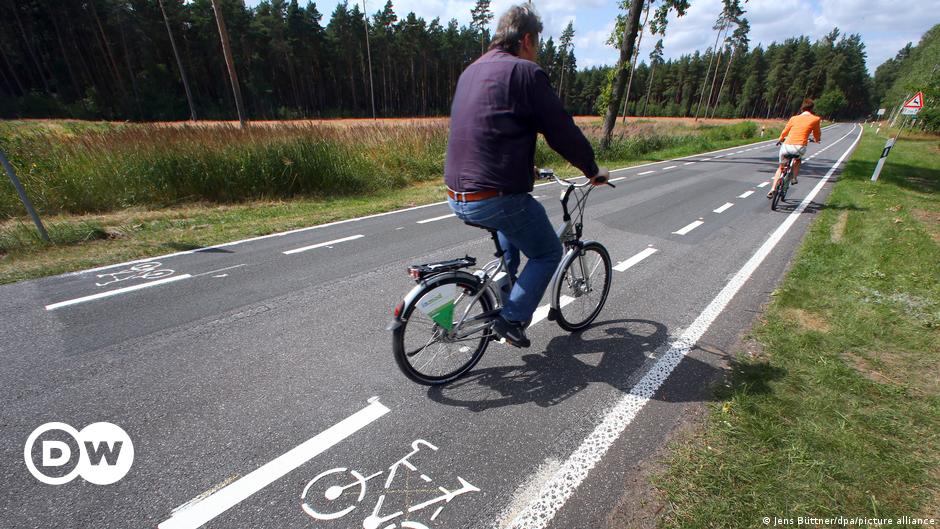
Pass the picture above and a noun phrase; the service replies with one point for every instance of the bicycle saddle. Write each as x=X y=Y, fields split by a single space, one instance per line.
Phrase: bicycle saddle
x=468 y=223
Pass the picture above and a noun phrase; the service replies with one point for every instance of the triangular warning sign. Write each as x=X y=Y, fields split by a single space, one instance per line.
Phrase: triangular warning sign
x=915 y=102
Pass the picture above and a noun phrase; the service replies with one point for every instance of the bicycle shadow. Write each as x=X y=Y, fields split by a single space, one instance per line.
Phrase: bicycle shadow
x=568 y=365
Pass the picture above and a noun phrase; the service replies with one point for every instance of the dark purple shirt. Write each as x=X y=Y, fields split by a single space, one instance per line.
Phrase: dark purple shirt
x=501 y=104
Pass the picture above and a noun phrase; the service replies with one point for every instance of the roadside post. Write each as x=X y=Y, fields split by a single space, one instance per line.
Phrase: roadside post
x=910 y=108
x=22 y=193
x=881 y=161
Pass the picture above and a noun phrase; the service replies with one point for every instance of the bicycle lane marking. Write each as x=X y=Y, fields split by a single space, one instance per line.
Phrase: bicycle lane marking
x=115 y=292
x=562 y=484
x=197 y=513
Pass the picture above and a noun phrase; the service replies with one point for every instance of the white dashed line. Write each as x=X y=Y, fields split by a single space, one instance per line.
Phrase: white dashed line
x=115 y=292
x=670 y=167
x=688 y=163
x=619 y=178
x=645 y=172
x=746 y=194
x=705 y=159
x=723 y=208
x=691 y=226
x=442 y=217
x=322 y=244
x=763 y=184
x=621 y=267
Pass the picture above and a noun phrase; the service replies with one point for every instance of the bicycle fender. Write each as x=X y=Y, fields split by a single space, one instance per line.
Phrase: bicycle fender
x=412 y=296
x=556 y=277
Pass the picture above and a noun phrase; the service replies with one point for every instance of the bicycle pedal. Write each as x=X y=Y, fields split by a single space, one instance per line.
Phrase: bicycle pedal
x=552 y=314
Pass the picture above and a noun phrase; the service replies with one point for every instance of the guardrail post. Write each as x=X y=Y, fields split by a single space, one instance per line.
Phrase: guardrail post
x=22 y=192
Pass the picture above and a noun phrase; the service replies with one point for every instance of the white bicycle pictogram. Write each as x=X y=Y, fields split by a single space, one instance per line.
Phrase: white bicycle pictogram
x=149 y=270
x=375 y=520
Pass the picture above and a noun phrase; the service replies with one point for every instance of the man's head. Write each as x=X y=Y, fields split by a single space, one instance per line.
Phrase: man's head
x=807 y=105
x=518 y=32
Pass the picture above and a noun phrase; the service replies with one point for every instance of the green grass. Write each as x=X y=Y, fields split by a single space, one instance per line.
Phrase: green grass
x=839 y=414
x=130 y=191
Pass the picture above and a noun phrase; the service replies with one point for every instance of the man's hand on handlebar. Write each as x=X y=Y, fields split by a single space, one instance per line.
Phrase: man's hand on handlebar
x=601 y=178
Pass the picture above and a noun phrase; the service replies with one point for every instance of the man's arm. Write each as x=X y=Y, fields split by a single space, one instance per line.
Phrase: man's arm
x=559 y=128
x=817 y=130
x=786 y=130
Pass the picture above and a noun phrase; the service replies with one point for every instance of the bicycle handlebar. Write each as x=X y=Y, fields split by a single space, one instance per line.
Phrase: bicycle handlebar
x=563 y=181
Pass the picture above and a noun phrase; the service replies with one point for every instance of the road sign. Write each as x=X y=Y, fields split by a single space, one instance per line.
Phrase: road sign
x=913 y=105
x=915 y=102
x=881 y=112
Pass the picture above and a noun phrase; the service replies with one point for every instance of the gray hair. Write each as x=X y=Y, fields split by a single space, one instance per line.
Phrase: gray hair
x=517 y=22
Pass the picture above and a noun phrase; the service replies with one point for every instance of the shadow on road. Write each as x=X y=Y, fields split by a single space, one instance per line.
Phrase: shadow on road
x=568 y=365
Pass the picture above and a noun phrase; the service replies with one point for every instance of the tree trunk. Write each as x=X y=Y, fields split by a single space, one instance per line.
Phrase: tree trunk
x=179 y=63
x=649 y=88
x=723 y=78
x=626 y=51
x=636 y=54
x=107 y=47
x=12 y=71
x=65 y=57
x=229 y=63
x=708 y=72
x=29 y=49
x=711 y=90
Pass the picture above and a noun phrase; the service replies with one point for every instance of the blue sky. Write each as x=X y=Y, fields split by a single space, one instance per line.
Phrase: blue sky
x=885 y=25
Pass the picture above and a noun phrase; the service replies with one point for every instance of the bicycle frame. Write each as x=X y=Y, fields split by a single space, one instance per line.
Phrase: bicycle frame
x=569 y=234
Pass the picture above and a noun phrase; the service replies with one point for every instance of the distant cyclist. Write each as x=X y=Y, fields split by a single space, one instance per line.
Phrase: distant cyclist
x=794 y=138
x=503 y=101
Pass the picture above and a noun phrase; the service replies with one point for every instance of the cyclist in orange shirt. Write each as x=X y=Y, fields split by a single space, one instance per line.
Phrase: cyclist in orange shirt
x=796 y=134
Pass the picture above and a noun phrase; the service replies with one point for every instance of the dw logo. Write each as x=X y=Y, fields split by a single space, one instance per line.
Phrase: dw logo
x=101 y=453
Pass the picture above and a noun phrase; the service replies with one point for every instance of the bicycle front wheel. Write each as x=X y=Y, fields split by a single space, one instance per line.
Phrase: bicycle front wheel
x=582 y=287
x=429 y=353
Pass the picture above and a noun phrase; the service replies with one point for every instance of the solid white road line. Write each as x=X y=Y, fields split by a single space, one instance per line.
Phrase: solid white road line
x=691 y=226
x=322 y=244
x=196 y=514
x=115 y=292
x=746 y=194
x=670 y=167
x=763 y=184
x=622 y=267
x=723 y=208
x=645 y=172
x=442 y=217
x=562 y=484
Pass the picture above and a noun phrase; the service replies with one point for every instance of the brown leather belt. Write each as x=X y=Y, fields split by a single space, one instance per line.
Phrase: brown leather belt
x=473 y=196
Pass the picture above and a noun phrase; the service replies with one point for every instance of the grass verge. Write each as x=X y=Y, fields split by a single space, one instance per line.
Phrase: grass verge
x=137 y=231
x=839 y=414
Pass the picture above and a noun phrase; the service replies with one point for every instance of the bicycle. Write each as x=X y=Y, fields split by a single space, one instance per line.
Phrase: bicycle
x=447 y=318
x=779 y=192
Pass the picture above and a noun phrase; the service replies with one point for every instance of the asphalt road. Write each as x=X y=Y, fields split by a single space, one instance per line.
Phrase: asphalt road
x=256 y=380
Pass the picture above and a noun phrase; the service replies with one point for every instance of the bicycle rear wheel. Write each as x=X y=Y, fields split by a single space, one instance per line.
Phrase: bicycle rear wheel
x=582 y=288
x=423 y=349
x=778 y=191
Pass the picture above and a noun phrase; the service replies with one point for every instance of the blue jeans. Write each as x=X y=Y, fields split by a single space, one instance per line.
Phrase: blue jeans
x=522 y=224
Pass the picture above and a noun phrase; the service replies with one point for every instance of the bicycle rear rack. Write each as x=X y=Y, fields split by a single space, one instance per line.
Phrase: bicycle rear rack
x=419 y=272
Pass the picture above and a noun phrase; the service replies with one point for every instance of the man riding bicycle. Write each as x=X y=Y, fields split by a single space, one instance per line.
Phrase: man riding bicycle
x=503 y=100
x=796 y=135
